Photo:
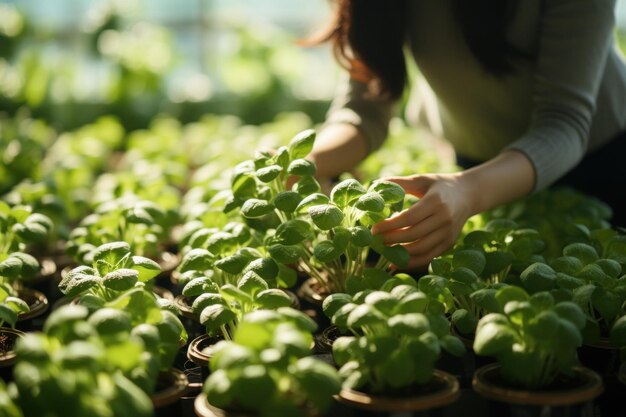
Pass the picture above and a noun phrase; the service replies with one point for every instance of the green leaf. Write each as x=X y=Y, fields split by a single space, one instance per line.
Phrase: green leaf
x=254 y=208
x=293 y=232
x=286 y=254
x=478 y=239
x=452 y=345
x=538 y=277
x=326 y=216
x=486 y=299
x=411 y=324
x=301 y=167
x=145 y=267
x=510 y=293
x=205 y=300
x=251 y=283
x=282 y=157
x=253 y=387
x=360 y=236
x=610 y=267
x=269 y=173
x=396 y=254
x=7 y=315
x=244 y=186
x=233 y=264
x=569 y=265
x=496 y=262
x=314 y=199
x=17 y=304
x=617 y=336
x=326 y=252
x=80 y=284
x=344 y=193
x=606 y=303
x=364 y=316
x=372 y=202
x=585 y=253
x=109 y=321
x=390 y=191
x=334 y=302
x=219 y=388
x=302 y=144
x=287 y=201
x=111 y=253
x=265 y=268
x=471 y=259
x=493 y=339
x=216 y=315
x=121 y=280
x=307 y=186
x=196 y=259
x=572 y=312
x=318 y=380
x=273 y=298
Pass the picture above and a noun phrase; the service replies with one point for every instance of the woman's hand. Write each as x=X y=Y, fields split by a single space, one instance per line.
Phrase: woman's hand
x=432 y=225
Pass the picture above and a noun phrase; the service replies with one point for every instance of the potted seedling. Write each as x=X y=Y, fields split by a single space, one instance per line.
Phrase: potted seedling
x=19 y=228
x=534 y=340
x=328 y=238
x=388 y=364
x=71 y=349
x=10 y=308
x=267 y=370
x=114 y=270
x=220 y=309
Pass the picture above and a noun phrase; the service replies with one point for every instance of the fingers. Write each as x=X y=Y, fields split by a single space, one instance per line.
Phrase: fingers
x=411 y=216
x=421 y=260
x=416 y=231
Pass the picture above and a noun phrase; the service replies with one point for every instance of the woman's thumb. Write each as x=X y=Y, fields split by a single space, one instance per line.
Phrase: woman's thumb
x=416 y=185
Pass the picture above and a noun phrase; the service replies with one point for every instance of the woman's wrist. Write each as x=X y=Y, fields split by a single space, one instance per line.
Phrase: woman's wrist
x=505 y=178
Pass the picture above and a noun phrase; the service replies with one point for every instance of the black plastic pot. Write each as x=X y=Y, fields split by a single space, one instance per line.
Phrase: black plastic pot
x=204 y=409
x=311 y=300
x=574 y=398
x=431 y=401
x=171 y=387
x=8 y=338
x=198 y=354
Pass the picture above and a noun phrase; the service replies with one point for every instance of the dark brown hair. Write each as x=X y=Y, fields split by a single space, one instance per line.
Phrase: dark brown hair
x=368 y=38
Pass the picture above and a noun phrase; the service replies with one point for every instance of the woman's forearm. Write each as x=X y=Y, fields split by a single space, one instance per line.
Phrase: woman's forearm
x=338 y=148
x=501 y=180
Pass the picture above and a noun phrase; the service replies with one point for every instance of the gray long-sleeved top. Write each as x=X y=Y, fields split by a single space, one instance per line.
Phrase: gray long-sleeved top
x=569 y=99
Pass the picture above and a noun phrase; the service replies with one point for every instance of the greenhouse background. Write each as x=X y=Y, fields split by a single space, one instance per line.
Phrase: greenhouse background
x=198 y=56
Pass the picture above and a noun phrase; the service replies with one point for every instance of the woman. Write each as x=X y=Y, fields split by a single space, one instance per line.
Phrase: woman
x=526 y=90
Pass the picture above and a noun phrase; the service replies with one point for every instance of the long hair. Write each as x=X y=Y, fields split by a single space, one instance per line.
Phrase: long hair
x=368 y=38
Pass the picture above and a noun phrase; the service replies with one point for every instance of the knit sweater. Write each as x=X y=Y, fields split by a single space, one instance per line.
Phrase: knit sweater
x=568 y=100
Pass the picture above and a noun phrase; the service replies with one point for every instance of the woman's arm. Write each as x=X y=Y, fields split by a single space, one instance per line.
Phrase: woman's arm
x=338 y=148
x=433 y=224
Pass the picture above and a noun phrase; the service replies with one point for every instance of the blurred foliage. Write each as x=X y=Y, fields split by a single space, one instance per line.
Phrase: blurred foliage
x=121 y=65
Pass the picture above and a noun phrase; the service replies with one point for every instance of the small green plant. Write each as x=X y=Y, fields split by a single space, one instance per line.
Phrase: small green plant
x=126 y=219
x=10 y=306
x=82 y=366
x=533 y=338
x=20 y=227
x=114 y=271
x=397 y=338
x=267 y=368
x=326 y=237
x=596 y=284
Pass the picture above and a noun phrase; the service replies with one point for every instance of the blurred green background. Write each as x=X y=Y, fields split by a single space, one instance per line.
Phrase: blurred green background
x=71 y=61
